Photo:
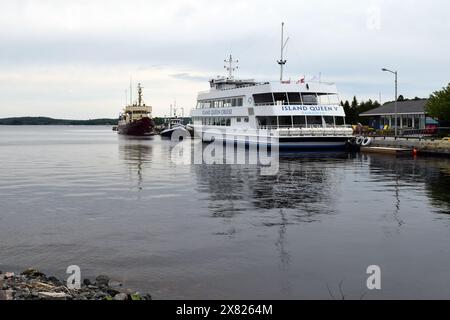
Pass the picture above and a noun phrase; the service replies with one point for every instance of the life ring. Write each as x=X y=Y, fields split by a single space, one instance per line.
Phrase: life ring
x=359 y=140
x=366 y=142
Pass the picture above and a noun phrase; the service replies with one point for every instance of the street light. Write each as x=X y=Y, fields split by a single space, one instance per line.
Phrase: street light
x=396 y=98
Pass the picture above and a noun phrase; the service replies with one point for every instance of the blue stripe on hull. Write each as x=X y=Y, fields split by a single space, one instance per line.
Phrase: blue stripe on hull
x=287 y=146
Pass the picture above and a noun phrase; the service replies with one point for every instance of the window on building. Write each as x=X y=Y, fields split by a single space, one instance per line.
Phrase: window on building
x=228 y=122
x=240 y=102
x=238 y=119
x=246 y=119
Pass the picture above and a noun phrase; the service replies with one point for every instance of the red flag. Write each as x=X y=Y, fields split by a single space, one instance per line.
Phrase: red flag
x=302 y=80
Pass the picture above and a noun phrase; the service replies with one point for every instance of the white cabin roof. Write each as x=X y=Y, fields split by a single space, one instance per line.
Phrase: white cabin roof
x=268 y=87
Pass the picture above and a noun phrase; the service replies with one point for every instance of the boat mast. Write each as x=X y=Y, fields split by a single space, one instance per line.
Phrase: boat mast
x=230 y=67
x=282 y=61
x=139 y=94
x=131 y=91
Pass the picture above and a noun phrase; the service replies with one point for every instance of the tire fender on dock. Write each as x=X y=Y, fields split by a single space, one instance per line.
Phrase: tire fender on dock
x=366 y=142
x=359 y=141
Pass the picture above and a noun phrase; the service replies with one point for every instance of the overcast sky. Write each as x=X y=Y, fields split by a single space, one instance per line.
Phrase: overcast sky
x=74 y=59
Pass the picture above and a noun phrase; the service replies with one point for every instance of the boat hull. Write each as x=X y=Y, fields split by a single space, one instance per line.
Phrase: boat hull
x=179 y=131
x=141 y=127
x=284 y=143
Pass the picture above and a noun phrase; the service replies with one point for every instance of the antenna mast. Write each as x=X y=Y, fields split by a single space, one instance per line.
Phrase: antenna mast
x=131 y=91
x=282 y=61
x=230 y=66
x=139 y=94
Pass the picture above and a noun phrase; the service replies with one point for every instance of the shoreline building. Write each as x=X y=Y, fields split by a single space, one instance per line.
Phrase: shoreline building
x=411 y=114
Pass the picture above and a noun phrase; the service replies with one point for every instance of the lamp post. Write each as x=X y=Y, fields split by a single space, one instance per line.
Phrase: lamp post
x=396 y=98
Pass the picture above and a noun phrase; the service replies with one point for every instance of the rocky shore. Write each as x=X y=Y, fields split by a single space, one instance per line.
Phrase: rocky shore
x=34 y=285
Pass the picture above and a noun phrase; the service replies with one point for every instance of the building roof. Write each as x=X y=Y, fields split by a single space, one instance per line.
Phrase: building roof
x=404 y=107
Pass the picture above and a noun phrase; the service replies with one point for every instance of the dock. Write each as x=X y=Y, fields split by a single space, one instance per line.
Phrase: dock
x=387 y=150
x=430 y=147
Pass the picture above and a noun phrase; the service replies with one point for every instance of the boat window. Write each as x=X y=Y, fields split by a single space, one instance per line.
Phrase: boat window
x=309 y=98
x=245 y=119
x=238 y=119
x=240 y=102
x=334 y=99
x=222 y=122
x=294 y=98
x=285 y=122
x=323 y=98
x=314 y=121
x=263 y=99
x=299 y=121
x=234 y=102
x=329 y=121
x=280 y=98
x=267 y=121
x=340 y=121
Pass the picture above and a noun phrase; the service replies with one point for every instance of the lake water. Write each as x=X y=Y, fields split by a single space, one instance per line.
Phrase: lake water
x=88 y=197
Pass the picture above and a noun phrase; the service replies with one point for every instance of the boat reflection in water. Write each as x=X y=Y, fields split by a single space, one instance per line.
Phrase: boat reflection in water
x=297 y=194
x=136 y=153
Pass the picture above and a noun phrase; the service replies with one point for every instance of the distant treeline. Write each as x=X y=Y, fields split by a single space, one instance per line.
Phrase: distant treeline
x=45 y=121
x=50 y=121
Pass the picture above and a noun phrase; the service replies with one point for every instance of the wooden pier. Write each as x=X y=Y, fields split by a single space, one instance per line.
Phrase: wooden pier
x=387 y=150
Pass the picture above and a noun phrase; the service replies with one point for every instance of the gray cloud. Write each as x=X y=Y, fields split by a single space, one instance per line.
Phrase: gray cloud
x=190 y=39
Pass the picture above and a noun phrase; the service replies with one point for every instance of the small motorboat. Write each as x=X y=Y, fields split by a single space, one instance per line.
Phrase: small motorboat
x=174 y=126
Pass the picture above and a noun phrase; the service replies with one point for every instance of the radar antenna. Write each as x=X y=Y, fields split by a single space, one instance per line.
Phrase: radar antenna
x=231 y=66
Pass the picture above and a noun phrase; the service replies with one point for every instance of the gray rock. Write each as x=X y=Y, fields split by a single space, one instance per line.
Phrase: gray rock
x=52 y=295
x=55 y=281
x=121 y=296
x=87 y=282
x=6 y=295
x=102 y=280
x=32 y=272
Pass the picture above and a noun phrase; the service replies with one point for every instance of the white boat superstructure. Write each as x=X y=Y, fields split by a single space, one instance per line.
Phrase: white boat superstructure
x=300 y=114
x=297 y=114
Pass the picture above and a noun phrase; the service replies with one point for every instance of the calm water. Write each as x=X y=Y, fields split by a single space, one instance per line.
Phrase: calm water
x=85 y=196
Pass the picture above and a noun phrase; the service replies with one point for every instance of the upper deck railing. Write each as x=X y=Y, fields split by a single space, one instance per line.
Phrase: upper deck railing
x=257 y=84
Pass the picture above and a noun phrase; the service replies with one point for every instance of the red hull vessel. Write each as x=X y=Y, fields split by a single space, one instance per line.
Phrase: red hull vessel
x=141 y=127
x=136 y=120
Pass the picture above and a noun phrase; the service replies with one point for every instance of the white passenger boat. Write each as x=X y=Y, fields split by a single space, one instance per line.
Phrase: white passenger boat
x=300 y=114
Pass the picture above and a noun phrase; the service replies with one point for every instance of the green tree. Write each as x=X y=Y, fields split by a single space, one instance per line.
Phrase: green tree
x=438 y=105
